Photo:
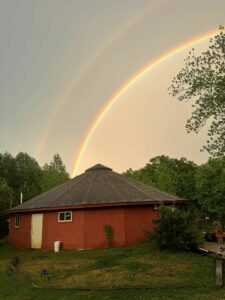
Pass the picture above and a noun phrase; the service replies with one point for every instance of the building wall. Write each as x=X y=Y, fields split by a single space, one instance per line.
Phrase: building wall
x=94 y=221
x=70 y=234
x=20 y=237
x=127 y=223
x=86 y=228
x=138 y=219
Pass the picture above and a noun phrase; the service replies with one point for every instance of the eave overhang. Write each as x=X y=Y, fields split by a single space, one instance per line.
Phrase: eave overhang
x=101 y=205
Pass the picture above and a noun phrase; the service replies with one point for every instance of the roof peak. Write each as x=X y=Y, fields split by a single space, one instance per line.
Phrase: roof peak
x=98 y=167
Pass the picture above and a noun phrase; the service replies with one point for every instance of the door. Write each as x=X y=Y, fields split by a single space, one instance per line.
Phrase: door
x=36 y=230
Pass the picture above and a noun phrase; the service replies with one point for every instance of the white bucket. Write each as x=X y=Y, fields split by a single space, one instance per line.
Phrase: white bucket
x=56 y=246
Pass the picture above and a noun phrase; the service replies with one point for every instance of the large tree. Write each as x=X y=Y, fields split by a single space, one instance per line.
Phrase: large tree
x=8 y=169
x=53 y=174
x=175 y=176
x=28 y=176
x=202 y=80
x=22 y=174
x=210 y=188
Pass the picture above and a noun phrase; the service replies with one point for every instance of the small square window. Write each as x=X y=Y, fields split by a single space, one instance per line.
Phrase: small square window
x=65 y=216
x=17 y=221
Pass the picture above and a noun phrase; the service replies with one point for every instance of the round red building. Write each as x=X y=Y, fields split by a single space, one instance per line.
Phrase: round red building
x=76 y=211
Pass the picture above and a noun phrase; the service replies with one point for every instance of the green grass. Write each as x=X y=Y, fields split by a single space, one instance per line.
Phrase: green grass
x=117 y=267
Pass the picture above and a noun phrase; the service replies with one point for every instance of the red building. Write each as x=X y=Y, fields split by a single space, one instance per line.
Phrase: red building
x=75 y=212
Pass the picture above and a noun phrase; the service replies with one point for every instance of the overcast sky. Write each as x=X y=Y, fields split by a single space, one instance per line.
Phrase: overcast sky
x=60 y=61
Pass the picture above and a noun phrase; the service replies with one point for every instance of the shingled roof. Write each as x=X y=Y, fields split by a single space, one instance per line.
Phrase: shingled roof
x=98 y=185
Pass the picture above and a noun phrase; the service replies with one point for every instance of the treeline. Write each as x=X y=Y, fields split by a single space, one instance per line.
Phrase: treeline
x=22 y=174
x=203 y=184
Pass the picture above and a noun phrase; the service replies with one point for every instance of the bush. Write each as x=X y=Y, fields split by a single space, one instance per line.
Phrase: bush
x=109 y=234
x=177 y=230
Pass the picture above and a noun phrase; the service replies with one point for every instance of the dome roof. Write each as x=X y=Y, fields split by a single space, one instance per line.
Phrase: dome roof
x=98 y=185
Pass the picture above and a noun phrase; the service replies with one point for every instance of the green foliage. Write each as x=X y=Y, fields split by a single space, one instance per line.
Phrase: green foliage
x=6 y=195
x=23 y=174
x=205 y=184
x=8 y=169
x=202 y=79
x=210 y=188
x=53 y=174
x=176 y=230
x=28 y=176
x=175 y=176
x=109 y=234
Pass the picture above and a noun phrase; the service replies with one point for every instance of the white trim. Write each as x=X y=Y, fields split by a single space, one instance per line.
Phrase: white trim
x=64 y=212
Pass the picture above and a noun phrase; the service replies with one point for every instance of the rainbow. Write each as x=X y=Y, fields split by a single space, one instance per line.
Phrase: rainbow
x=127 y=84
x=89 y=64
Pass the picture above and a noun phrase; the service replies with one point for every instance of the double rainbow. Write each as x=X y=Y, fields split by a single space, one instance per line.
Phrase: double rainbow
x=89 y=64
x=126 y=85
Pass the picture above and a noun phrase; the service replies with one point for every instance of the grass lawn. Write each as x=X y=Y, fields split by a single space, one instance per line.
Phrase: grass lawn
x=117 y=267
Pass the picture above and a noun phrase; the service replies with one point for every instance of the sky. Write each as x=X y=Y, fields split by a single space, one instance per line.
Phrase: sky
x=61 y=62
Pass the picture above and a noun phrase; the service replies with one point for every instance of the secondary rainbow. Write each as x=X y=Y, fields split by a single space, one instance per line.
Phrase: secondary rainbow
x=88 y=65
x=127 y=84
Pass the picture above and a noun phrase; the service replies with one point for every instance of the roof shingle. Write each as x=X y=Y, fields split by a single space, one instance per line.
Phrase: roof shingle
x=98 y=185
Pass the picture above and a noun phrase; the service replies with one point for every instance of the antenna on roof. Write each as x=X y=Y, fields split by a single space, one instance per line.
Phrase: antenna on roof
x=21 y=198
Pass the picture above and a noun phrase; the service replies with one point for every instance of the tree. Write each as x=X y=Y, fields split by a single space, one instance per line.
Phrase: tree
x=210 y=188
x=53 y=174
x=176 y=229
x=6 y=195
x=22 y=174
x=175 y=176
x=28 y=176
x=202 y=79
x=8 y=169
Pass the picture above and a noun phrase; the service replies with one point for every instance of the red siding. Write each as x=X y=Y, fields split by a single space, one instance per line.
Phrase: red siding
x=138 y=219
x=20 y=237
x=69 y=233
x=94 y=221
x=86 y=228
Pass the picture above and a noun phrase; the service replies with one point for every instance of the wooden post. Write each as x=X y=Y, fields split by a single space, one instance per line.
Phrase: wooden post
x=219 y=272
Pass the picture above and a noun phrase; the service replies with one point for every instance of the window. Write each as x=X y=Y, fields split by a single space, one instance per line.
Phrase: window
x=17 y=221
x=65 y=216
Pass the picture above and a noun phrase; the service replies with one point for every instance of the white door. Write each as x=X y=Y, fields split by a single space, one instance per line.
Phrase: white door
x=36 y=230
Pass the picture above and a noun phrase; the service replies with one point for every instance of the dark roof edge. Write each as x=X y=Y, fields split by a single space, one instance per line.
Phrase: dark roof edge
x=86 y=206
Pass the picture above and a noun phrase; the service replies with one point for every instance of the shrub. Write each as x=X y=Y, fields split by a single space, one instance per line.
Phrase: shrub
x=109 y=234
x=177 y=229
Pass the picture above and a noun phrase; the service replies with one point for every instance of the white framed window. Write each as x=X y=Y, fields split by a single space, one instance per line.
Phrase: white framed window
x=17 y=221
x=65 y=216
